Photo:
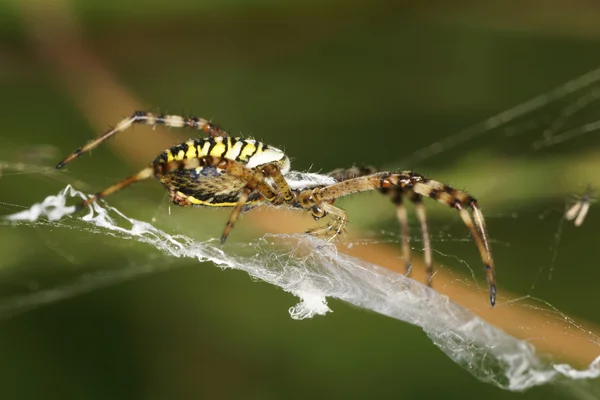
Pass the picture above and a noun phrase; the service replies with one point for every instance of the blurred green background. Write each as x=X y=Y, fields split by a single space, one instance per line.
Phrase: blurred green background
x=334 y=84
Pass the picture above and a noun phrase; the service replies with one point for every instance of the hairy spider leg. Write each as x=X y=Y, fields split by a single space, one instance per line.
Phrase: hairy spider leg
x=284 y=193
x=420 y=185
x=256 y=182
x=397 y=199
x=141 y=175
x=457 y=199
x=397 y=194
x=417 y=199
x=144 y=117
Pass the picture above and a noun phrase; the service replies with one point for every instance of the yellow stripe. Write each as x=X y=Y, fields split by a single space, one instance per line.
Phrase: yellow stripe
x=180 y=155
x=195 y=201
x=219 y=149
x=249 y=150
x=169 y=155
x=191 y=153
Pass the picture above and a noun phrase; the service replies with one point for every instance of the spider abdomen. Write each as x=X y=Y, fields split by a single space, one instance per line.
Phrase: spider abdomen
x=211 y=185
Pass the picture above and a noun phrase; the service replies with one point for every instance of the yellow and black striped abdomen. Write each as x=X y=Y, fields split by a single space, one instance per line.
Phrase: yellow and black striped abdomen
x=235 y=149
x=211 y=185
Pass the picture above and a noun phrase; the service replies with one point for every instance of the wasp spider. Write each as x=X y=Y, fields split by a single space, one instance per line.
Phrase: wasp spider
x=222 y=171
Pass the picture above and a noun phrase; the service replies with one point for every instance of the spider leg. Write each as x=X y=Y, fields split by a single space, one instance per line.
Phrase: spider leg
x=334 y=228
x=143 y=117
x=422 y=186
x=396 y=195
x=256 y=182
x=417 y=199
x=254 y=179
x=141 y=175
x=236 y=212
x=343 y=174
x=456 y=199
x=284 y=194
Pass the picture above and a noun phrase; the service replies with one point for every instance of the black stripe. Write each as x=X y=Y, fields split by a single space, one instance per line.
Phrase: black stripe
x=416 y=198
x=469 y=200
x=233 y=143
x=212 y=144
x=162 y=158
x=449 y=190
x=397 y=196
x=255 y=150
x=196 y=144
x=239 y=156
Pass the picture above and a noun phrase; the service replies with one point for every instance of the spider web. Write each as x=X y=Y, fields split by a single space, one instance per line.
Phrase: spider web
x=315 y=271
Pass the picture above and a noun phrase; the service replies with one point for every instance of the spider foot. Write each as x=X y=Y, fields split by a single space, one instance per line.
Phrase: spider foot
x=328 y=233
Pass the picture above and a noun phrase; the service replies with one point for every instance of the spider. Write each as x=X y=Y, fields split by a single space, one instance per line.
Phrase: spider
x=223 y=171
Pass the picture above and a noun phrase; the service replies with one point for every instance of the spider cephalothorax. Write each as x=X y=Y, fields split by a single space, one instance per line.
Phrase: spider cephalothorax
x=222 y=171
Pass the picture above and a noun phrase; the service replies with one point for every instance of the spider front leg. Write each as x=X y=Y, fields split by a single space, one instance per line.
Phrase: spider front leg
x=397 y=195
x=458 y=200
x=420 y=185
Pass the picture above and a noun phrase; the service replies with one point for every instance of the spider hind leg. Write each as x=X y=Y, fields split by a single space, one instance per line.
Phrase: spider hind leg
x=147 y=118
